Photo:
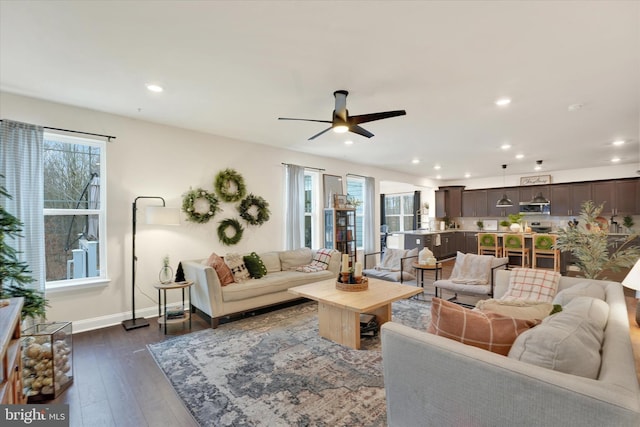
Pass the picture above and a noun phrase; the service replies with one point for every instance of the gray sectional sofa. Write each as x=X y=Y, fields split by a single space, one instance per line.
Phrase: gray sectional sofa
x=215 y=301
x=434 y=381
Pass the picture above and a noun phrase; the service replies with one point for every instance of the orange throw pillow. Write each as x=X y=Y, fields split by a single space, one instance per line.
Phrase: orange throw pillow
x=222 y=270
x=489 y=331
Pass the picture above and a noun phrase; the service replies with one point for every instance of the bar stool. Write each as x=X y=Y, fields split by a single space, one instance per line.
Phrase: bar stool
x=513 y=244
x=488 y=244
x=544 y=247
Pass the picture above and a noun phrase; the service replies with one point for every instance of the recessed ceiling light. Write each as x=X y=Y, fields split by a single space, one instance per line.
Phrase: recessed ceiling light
x=503 y=102
x=437 y=167
x=415 y=161
x=618 y=142
x=348 y=142
x=467 y=175
x=505 y=146
x=519 y=156
x=155 y=88
x=615 y=160
x=575 y=107
x=438 y=176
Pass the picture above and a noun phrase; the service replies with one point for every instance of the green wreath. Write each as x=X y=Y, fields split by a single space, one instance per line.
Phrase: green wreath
x=230 y=186
x=261 y=210
x=222 y=231
x=488 y=240
x=513 y=242
x=188 y=205
x=544 y=242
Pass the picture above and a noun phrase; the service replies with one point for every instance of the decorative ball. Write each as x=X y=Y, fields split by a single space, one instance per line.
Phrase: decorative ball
x=33 y=351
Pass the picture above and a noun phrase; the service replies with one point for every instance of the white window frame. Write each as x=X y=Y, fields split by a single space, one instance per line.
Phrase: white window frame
x=402 y=214
x=315 y=214
x=102 y=278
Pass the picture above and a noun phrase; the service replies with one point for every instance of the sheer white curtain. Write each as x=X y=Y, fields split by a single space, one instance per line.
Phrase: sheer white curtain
x=294 y=206
x=21 y=163
x=369 y=215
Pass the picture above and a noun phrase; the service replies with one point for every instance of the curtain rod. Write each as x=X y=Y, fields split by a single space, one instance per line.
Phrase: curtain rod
x=306 y=167
x=109 y=137
x=360 y=176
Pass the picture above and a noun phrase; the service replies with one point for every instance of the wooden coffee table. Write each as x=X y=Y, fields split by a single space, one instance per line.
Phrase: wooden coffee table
x=339 y=311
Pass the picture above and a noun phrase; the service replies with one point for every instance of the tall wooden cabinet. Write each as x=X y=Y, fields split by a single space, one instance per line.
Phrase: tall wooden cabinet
x=11 y=390
x=340 y=231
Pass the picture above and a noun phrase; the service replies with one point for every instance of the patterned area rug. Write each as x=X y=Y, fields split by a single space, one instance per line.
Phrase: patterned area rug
x=275 y=370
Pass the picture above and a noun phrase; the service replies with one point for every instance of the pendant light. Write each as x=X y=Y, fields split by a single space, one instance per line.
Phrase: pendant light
x=504 y=201
x=539 y=199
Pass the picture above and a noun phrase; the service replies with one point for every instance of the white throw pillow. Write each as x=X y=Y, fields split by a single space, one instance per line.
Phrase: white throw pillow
x=529 y=284
x=391 y=259
x=289 y=260
x=583 y=289
x=237 y=266
x=271 y=260
x=518 y=309
x=568 y=341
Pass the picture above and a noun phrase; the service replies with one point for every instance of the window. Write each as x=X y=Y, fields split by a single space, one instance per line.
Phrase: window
x=355 y=190
x=311 y=214
x=399 y=212
x=74 y=211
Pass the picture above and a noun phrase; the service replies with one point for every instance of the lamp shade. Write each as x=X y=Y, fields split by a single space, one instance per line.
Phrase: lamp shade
x=632 y=280
x=160 y=215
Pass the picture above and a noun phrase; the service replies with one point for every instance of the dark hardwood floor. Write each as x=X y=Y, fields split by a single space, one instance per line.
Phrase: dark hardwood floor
x=117 y=382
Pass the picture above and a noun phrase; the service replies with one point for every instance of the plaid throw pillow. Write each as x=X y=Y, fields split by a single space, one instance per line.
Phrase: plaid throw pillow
x=320 y=261
x=236 y=263
x=489 y=331
x=532 y=285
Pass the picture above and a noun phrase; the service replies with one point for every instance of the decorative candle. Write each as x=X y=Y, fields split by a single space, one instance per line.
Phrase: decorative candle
x=345 y=263
x=358 y=270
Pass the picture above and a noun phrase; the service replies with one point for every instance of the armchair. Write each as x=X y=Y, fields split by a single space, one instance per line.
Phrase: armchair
x=472 y=275
x=395 y=265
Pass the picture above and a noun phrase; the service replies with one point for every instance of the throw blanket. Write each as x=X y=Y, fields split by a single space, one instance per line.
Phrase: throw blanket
x=472 y=269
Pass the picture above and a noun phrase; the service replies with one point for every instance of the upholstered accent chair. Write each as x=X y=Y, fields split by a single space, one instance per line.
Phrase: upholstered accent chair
x=471 y=275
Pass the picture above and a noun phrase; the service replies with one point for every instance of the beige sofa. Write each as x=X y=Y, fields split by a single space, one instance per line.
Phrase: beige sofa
x=434 y=381
x=210 y=298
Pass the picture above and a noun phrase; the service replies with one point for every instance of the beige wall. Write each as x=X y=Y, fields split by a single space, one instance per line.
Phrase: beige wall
x=153 y=159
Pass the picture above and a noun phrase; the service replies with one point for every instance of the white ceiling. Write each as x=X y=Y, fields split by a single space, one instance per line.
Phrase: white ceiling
x=233 y=68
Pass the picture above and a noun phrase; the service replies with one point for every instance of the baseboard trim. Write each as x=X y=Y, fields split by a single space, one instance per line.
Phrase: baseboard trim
x=93 y=323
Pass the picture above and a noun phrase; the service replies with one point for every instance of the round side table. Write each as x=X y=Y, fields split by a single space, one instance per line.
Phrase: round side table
x=162 y=304
x=436 y=268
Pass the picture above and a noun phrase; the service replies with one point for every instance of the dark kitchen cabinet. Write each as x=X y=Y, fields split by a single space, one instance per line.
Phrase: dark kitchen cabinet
x=474 y=203
x=567 y=199
x=495 y=194
x=449 y=202
x=618 y=196
x=447 y=247
x=470 y=242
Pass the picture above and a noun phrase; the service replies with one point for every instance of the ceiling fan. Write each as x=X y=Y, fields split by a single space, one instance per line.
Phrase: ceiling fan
x=343 y=122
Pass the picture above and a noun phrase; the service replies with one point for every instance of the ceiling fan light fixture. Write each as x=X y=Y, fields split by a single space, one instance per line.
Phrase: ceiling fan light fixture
x=340 y=128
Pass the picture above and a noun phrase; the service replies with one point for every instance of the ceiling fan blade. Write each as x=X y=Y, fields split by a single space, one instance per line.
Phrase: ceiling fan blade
x=360 y=131
x=318 y=134
x=364 y=118
x=305 y=120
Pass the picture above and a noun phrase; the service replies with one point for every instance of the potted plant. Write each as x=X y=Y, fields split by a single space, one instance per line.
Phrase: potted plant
x=14 y=274
x=504 y=225
x=480 y=225
x=627 y=222
x=589 y=245
x=515 y=220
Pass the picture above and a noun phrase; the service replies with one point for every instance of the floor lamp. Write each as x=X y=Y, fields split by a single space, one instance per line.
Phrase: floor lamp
x=633 y=281
x=159 y=215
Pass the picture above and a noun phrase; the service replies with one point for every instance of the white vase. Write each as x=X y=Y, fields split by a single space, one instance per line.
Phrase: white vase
x=515 y=228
